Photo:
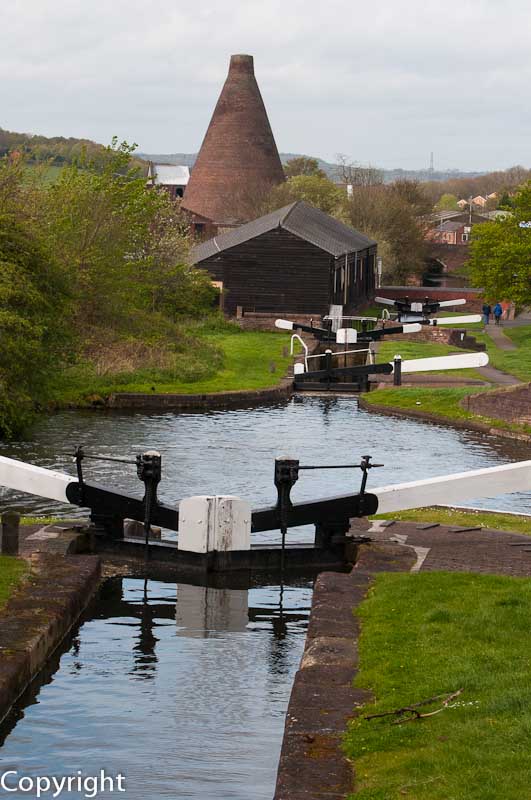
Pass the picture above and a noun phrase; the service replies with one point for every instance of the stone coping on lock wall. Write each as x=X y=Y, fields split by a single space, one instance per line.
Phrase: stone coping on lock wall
x=39 y=615
x=312 y=764
x=218 y=400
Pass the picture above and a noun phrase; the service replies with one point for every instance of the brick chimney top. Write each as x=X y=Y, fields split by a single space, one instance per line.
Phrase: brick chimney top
x=238 y=160
x=241 y=63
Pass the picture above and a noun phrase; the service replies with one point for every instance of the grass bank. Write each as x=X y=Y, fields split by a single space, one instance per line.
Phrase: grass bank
x=441 y=402
x=451 y=516
x=210 y=361
x=11 y=572
x=434 y=634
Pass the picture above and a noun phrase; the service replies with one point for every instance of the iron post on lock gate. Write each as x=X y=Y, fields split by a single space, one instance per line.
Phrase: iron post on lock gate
x=286 y=476
x=328 y=367
x=149 y=470
x=109 y=509
x=397 y=370
x=332 y=523
x=10 y=533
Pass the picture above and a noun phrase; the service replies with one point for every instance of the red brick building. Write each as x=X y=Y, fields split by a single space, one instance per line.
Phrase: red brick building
x=238 y=161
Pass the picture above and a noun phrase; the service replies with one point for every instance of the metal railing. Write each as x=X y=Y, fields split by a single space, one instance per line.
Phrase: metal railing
x=369 y=359
x=304 y=347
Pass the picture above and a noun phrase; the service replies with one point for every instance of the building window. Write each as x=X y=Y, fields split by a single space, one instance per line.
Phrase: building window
x=464 y=237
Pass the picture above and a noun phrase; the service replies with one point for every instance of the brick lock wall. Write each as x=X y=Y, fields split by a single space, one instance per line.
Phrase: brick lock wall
x=450 y=336
x=512 y=404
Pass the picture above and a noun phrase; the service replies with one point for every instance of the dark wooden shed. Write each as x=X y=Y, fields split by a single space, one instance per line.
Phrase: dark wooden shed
x=296 y=260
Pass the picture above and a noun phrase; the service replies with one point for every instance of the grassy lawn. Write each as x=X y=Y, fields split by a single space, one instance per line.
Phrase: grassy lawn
x=246 y=363
x=436 y=633
x=450 y=516
x=443 y=402
x=11 y=571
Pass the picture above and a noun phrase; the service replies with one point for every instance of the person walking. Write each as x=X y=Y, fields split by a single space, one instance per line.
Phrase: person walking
x=486 y=310
x=498 y=311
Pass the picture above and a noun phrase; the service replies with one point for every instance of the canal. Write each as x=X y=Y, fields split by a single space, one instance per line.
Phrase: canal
x=183 y=689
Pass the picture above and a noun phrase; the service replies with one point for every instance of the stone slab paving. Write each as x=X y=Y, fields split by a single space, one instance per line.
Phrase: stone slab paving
x=484 y=550
x=61 y=538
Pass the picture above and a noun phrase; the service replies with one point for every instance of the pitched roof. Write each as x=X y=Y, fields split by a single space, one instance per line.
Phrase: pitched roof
x=449 y=226
x=170 y=174
x=299 y=218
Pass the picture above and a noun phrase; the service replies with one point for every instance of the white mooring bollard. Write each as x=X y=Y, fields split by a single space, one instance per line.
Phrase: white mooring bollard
x=208 y=523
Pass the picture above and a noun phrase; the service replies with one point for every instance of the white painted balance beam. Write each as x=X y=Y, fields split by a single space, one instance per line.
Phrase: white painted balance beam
x=450 y=489
x=450 y=303
x=458 y=361
x=468 y=319
x=34 y=480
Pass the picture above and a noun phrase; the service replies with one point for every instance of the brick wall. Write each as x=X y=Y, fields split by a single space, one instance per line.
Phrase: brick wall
x=450 y=336
x=512 y=404
x=256 y=321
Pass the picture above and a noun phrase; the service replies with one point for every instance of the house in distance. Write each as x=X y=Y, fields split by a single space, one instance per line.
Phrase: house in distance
x=296 y=260
x=173 y=178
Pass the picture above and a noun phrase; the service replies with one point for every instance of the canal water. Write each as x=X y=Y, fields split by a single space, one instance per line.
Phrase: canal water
x=233 y=452
x=183 y=689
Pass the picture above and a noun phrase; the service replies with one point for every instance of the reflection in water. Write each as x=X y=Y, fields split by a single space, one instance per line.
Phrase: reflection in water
x=183 y=689
x=232 y=452
x=201 y=610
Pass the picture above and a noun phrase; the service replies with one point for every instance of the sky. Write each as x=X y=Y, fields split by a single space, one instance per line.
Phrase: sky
x=383 y=83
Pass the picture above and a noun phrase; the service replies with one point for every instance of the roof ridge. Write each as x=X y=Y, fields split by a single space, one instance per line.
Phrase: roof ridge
x=290 y=209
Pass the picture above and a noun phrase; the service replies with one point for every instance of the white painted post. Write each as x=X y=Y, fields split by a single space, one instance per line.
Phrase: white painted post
x=347 y=336
x=208 y=523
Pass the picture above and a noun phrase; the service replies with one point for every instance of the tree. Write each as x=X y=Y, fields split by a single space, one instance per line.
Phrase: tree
x=411 y=192
x=500 y=253
x=122 y=244
x=303 y=165
x=34 y=314
x=382 y=209
x=320 y=192
x=173 y=286
x=447 y=202
x=351 y=173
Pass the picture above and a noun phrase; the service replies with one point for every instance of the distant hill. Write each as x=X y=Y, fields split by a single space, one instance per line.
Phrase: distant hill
x=56 y=149
x=60 y=150
x=188 y=159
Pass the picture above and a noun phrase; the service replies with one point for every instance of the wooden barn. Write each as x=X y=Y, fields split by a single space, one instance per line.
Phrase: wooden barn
x=296 y=260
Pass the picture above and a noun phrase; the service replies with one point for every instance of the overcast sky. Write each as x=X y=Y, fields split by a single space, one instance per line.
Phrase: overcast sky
x=383 y=82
